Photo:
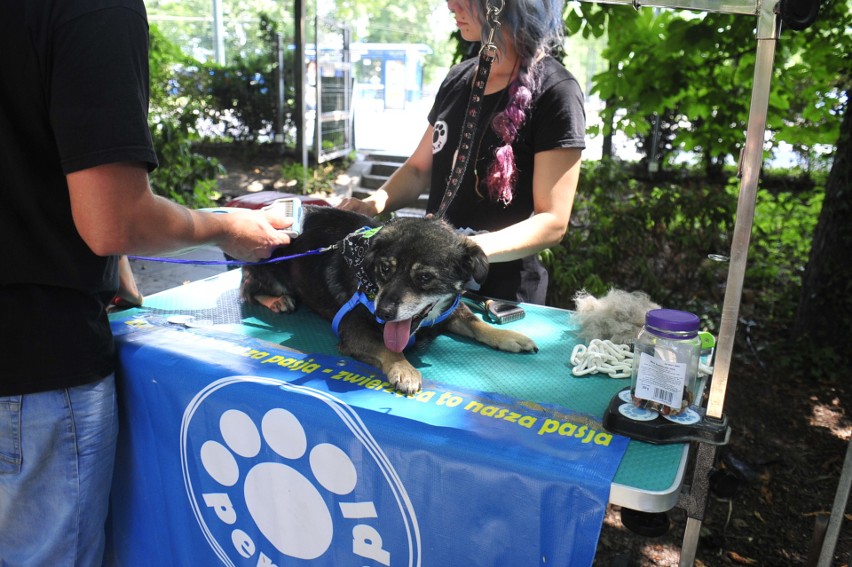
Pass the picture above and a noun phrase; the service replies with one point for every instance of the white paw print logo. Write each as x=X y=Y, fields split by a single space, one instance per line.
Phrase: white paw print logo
x=286 y=507
x=265 y=489
x=439 y=136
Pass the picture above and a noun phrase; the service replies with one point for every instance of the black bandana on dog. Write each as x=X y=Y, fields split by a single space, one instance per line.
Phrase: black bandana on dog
x=353 y=248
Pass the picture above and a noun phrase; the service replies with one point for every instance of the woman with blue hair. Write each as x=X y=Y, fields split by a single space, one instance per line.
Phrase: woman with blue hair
x=520 y=170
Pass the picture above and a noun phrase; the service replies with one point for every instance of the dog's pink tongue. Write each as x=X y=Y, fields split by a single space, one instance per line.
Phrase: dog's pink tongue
x=397 y=334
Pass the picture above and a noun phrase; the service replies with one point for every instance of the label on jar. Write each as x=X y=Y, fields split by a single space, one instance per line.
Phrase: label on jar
x=660 y=381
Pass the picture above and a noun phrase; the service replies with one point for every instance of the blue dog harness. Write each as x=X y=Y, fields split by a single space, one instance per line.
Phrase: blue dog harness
x=359 y=297
x=354 y=247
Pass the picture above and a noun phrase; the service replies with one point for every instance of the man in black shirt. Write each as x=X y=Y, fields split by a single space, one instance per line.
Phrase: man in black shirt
x=75 y=152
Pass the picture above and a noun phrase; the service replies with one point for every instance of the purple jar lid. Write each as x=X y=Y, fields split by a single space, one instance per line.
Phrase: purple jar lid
x=672 y=320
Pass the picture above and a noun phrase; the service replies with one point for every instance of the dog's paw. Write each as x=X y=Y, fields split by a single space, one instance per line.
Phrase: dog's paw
x=277 y=304
x=404 y=377
x=511 y=341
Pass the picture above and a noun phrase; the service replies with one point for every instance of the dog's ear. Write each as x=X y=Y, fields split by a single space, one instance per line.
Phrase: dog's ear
x=477 y=261
x=369 y=259
x=375 y=251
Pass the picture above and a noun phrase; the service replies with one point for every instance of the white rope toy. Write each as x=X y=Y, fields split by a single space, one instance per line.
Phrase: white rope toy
x=605 y=357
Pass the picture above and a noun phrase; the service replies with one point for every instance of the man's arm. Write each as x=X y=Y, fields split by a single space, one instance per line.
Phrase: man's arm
x=116 y=213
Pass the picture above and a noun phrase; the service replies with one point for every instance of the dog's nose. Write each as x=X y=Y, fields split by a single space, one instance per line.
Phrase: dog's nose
x=386 y=311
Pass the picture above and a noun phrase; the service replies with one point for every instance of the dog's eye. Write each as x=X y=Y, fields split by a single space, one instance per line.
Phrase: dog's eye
x=424 y=278
x=384 y=267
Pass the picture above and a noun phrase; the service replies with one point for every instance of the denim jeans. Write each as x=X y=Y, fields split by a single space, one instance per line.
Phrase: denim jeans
x=57 y=451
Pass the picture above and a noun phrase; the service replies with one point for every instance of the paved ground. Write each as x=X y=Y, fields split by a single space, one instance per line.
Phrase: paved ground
x=152 y=277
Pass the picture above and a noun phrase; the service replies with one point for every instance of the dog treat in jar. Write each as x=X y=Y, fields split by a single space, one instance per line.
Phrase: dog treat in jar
x=665 y=361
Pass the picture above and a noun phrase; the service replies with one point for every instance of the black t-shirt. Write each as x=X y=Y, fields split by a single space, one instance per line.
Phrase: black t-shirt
x=73 y=95
x=556 y=119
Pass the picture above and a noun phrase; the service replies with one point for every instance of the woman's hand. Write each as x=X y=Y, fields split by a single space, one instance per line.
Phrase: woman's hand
x=364 y=207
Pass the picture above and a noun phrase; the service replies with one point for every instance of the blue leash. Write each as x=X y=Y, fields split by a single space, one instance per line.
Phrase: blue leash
x=233 y=262
x=359 y=297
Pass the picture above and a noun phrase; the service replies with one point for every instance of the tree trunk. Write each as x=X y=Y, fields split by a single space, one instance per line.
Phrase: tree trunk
x=606 y=150
x=824 y=315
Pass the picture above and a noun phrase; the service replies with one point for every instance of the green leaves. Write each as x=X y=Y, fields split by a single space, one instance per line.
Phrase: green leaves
x=183 y=175
x=697 y=69
x=641 y=235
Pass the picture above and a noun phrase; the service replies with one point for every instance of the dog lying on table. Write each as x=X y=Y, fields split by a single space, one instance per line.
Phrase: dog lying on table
x=379 y=285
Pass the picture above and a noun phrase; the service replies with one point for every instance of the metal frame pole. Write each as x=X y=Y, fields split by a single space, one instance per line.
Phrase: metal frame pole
x=841 y=497
x=299 y=82
x=694 y=501
x=751 y=162
x=281 y=96
x=218 y=32
x=318 y=89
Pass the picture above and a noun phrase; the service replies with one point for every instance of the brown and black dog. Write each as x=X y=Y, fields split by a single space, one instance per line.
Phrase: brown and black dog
x=379 y=284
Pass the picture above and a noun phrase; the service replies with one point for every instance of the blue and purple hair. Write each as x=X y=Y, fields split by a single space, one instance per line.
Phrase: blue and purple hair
x=537 y=29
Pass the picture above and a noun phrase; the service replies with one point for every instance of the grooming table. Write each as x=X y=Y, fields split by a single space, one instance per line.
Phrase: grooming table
x=539 y=387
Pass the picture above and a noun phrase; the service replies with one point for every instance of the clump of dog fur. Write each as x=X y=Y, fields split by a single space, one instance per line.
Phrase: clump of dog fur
x=618 y=316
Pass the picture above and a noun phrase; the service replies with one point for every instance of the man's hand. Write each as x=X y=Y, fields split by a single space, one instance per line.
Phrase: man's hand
x=116 y=213
x=254 y=235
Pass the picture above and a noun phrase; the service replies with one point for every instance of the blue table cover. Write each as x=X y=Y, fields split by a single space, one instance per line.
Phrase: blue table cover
x=248 y=440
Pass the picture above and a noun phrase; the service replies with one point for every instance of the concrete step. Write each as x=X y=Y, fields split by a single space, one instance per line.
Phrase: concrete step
x=371 y=172
x=411 y=212
x=362 y=192
x=386 y=157
x=383 y=168
x=370 y=181
x=377 y=172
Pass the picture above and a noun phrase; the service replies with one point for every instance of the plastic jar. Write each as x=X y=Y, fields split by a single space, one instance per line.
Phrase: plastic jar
x=665 y=361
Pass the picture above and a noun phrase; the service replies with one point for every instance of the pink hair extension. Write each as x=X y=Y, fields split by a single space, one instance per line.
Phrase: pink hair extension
x=502 y=173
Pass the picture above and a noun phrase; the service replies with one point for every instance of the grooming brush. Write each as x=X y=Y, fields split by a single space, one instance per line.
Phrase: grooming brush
x=496 y=310
x=289 y=207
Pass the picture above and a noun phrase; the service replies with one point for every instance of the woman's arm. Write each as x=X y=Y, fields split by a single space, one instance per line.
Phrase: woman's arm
x=116 y=213
x=403 y=187
x=555 y=177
